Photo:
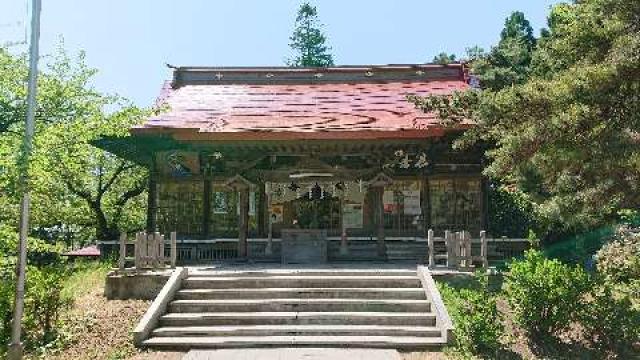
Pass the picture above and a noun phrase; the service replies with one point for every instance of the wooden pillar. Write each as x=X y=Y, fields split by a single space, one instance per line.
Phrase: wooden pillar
x=344 y=248
x=206 y=209
x=152 y=203
x=243 y=222
x=269 y=248
x=485 y=188
x=381 y=246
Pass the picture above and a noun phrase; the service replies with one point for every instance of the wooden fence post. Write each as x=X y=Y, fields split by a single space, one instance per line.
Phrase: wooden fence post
x=468 y=262
x=483 y=249
x=174 y=249
x=432 y=260
x=123 y=250
x=450 y=245
x=161 y=259
x=137 y=250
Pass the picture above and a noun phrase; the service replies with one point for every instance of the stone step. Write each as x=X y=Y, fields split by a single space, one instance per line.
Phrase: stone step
x=301 y=272
x=291 y=281
x=299 y=330
x=306 y=305
x=303 y=293
x=299 y=318
x=407 y=342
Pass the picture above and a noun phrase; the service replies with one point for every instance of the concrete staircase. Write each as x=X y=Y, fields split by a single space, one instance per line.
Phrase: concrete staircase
x=320 y=308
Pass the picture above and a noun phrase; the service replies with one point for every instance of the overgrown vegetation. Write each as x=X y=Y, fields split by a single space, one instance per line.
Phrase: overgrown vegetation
x=478 y=328
x=610 y=320
x=79 y=193
x=44 y=298
x=543 y=294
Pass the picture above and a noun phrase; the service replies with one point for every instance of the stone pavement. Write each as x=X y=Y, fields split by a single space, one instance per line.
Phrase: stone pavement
x=293 y=354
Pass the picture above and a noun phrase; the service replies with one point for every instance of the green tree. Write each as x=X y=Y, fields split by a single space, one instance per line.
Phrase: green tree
x=568 y=133
x=75 y=186
x=509 y=62
x=443 y=58
x=308 y=41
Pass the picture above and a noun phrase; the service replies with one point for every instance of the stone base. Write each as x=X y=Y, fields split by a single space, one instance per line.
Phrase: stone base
x=304 y=246
x=136 y=286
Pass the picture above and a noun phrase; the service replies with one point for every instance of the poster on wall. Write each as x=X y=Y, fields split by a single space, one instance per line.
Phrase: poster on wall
x=277 y=213
x=219 y=202
x=412 y=202
x=389 y=202
x=352 y=215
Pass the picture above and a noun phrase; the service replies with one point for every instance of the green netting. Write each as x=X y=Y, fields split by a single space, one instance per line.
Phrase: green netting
x=580 y=248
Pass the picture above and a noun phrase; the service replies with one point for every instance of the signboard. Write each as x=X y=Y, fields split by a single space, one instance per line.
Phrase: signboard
x=353 y=215
x=412 y=202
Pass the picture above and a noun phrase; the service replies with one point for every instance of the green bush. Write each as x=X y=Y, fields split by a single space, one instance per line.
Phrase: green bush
x=544 y=294
x=609 y=320
x=43 y=304
x=477 y=322
x=619 y=260
x=44 y=299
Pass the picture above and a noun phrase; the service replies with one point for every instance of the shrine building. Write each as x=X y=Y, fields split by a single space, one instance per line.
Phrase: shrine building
x=307 y=164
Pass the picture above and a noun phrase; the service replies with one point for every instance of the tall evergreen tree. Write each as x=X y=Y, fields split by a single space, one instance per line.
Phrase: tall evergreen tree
x=443 y=58
x=308 y=41
x=509 y=62
x=567 y=133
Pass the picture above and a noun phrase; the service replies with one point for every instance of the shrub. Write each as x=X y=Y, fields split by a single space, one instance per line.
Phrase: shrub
x=609 y=320
x=544 y=294
x=619 y=260
x=44 y=300
x=477 y=322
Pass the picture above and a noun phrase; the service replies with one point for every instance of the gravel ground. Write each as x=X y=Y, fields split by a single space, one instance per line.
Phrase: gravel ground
x=101 y=329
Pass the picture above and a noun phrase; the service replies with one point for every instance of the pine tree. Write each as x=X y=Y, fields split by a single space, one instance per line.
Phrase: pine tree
x=308 y=41
x=443 y=58
x=509 y=62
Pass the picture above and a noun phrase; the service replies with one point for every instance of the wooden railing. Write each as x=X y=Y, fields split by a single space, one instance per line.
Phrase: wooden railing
x=149 y=251
x=455 y=250
x=461 y=251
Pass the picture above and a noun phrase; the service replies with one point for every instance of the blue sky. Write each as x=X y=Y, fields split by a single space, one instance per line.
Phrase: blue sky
x=129 y=41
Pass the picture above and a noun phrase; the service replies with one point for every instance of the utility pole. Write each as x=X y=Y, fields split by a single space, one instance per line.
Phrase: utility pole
x=16 y=348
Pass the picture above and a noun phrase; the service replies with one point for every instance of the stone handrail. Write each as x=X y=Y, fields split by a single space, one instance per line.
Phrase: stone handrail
x=443 y=320
x=158 y=307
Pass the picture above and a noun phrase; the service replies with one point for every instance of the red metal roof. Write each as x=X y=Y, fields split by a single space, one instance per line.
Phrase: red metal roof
x=89 y=251
x=302 y=110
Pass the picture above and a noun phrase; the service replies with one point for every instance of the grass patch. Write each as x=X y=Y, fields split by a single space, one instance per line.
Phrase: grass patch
x=86 y=277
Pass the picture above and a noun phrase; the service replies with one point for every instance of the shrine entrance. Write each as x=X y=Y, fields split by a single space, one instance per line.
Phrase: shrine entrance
x=320 y=210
